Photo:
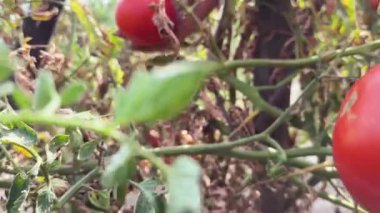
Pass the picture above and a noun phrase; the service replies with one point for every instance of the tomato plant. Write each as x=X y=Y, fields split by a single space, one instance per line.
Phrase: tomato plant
x=135 y=21
x=356 y=140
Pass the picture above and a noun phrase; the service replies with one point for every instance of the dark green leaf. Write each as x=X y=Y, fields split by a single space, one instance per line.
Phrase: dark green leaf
x=72 y=93
x=149 y=199
x=86 y=150
x=184 y=176
x=46 y=97
x=45 y=200
x=121 y=167
x=100 y=200
x=58 y=142
x=54 y=165
x=18 y=192
x=6 y=67
x=162 y=94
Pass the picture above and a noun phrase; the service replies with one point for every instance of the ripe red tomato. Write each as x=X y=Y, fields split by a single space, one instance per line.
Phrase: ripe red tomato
x=356 y=140
x=134 y=19
x=374 y=4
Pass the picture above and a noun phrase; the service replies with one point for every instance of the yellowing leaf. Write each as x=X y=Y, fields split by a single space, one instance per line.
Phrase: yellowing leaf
x=116 y=71
x=22 y=151
x=349 y=5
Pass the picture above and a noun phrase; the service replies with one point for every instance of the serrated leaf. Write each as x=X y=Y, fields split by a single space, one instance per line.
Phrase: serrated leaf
x=86 y=150
x=149 y=200
x=121 y=167
x=99 y=199
x=45 y=201
x=162 y=94
x=18 y=192
x=184 y=176
x=46 y=97
x=72 y=93
x=58 y=142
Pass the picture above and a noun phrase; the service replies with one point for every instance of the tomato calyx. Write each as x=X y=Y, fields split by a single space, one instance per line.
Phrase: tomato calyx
x=164 y=25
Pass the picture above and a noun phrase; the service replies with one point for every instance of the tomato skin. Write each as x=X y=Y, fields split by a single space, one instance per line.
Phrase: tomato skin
x=134 y=20
x=356 y=140
x=374 y=4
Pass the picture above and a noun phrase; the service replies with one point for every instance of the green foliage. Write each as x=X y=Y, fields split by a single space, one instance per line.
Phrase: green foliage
x=6 y=88
x=72 y=93
x=162 y=94
x=22 y=100
x=18 y=192
x=58 y=142
x=45 y=200
x=184 y=186
x=18 y=133
x=99 y=200
x=46 y=97
x=150 y=199
x=95 y=111
x=86 y=150
x=122 y=166
x=6 y=66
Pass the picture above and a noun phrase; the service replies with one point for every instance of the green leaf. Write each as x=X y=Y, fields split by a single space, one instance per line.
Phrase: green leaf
x=149 y=199
x=121 y=167
x=162 y=94
x=6 y=67
x=17 y=133
x=184 y=176
x=45 y=200
x=76 y=138
x=22 y=100
x=18 y=192
x=72 y=93
x=99 y=200
x=86 y=150
x=46 y=97
x=58 y=142
x=6 y=88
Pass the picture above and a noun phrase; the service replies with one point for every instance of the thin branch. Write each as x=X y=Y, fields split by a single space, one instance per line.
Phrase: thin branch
x=75 y=188
x=303 y=62
x=10 y=158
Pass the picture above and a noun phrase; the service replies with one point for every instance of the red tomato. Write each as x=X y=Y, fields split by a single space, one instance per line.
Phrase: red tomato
x=374 y=4
x=356 y=140
x=134 y=19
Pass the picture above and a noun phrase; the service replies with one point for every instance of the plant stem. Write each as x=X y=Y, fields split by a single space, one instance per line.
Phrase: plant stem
x=75 y=188
x=101 y=126
x=340 y=202
x=10 y=158
x=302 y=62
x=156 y=161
